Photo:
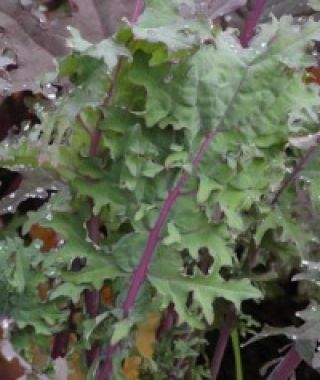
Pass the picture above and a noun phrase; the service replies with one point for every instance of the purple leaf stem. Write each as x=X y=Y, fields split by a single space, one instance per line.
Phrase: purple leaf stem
x=251 y=23
x=292 y=359
x=105 y=371
x=225 y=333
x=138 y=9
x=92 y=297
x=299 y=167
x=287 y=366
x=245 y=38
x=140 y=273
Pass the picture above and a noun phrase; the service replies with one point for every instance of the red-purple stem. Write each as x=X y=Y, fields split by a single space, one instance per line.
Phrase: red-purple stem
x=139 y=275
x=287 y=366
x=105 y=371
x=92 y=297
x=292 y=359
x=299 y=167
x=245 y=38
x=225 y=333
x=138 y=9
x=251 y=23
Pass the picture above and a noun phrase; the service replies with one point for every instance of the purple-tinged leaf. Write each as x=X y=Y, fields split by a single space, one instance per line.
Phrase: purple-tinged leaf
x=34 y=184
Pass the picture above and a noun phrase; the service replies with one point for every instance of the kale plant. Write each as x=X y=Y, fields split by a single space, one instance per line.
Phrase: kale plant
x=178 y=173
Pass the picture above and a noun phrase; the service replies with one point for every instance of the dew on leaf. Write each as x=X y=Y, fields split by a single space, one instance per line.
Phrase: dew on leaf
x=168 y=78
x=37 y=245
x=51 y=96
x=60 y=242
x=5 y=91
x=49 y=216
x=26 y=127
x=39 y=190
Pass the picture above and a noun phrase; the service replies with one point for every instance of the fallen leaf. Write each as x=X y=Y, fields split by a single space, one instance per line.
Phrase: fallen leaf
x=131 y=368
x=146 y=335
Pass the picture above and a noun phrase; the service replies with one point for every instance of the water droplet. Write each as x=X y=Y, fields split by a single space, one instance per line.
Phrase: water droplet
x=42 y=19
x=52 y=96
x=125 y=20
x=12 y=195
x=37 y=245
x=52 y=273
x=5 y=91
x=26 y=127
x=151 y=32
x=61 y=242
x=49 y=216
x=10 y=208
x=50 y=91
x=294 y=337
x=168 y=78
x=39 y=190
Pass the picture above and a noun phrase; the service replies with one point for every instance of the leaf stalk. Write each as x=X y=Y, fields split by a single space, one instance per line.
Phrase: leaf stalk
x=245 y=38
x=297 y=170
x=287 y=366
x=251 y=23
x=221 y=346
